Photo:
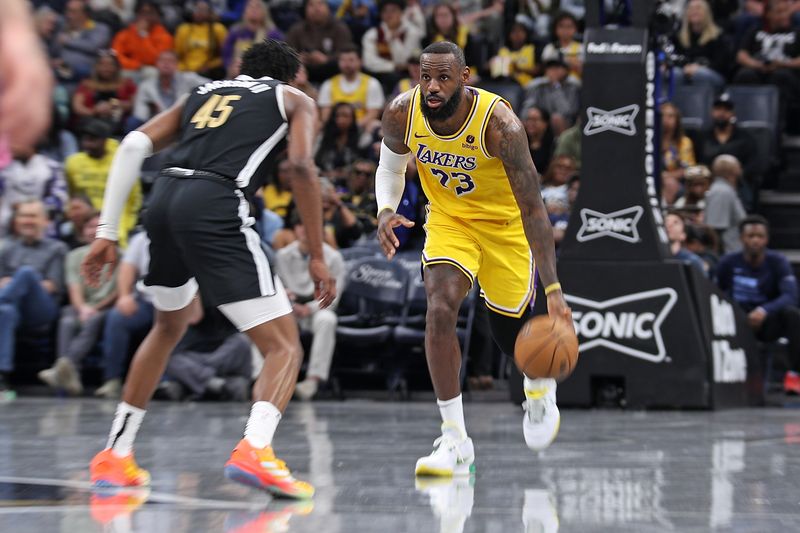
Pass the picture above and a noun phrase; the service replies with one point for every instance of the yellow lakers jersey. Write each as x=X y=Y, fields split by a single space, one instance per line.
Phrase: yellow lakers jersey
x=458 y=175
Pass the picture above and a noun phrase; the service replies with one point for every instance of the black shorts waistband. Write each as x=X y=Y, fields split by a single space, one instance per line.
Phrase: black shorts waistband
x=177 y=172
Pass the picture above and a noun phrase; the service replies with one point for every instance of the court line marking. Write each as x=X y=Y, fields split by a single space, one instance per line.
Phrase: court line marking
x=154 y=496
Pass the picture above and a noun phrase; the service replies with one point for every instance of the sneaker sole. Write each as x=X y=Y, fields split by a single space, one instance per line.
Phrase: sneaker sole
x=463 y=469
x=555 y=434
x=242 y=476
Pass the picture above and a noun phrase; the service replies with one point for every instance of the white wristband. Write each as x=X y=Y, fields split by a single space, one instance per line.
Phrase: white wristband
x=390 y=178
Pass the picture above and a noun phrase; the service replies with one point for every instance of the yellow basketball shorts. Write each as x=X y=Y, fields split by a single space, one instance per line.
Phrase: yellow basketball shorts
x=496 y=253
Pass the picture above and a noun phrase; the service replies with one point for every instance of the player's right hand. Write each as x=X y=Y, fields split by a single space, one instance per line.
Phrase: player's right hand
x=102 y=252
x=387 y=221
x=558 y=309
x=324 y=283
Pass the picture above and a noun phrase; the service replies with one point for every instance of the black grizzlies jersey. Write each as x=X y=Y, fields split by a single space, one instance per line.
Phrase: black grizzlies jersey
x=231 y=126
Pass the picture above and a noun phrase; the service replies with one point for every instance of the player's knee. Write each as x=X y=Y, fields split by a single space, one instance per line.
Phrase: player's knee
x=169 y=328
x=441 y=315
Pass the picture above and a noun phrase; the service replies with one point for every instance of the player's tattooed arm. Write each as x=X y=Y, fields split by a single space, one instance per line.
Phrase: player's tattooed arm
x=394 y=122
x=506 y=139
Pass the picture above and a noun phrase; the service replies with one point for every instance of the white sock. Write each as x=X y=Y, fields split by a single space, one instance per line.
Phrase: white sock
x=452 y=412
x=261 y=425
x=123 y=430
x=539 y=383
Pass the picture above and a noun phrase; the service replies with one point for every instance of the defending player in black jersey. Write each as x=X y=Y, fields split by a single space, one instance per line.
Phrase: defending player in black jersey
x=201 y=238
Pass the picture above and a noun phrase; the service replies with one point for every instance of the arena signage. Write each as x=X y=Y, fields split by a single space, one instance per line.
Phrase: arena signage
x=629 y=324
x=620 y=120
x=622 y=224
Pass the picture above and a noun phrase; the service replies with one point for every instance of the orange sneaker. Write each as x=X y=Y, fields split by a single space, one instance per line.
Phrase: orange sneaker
x=108 y=470
x=260 y=468
x=106 y=507
x=791 y=383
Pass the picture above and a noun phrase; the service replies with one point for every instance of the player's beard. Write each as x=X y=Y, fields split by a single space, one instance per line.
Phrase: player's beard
x=447 y=110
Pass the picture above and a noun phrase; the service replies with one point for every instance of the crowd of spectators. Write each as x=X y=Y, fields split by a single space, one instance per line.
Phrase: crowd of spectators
x=118 y=63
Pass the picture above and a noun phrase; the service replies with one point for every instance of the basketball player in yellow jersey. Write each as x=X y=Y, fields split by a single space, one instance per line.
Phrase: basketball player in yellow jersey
x=486 y=220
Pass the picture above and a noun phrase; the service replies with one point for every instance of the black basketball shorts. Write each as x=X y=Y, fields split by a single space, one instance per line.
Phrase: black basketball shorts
x=201 y=235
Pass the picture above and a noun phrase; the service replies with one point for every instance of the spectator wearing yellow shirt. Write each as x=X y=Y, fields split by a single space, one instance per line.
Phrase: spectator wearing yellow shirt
x=199 y=43
x=518 y=58
x=87 y=173
x=677 y=152
x=353 y=87
x=278 y=195
x=444 y=25
x=564 y=44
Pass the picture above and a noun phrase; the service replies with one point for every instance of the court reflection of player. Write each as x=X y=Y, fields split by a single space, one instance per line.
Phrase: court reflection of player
x=486 y=220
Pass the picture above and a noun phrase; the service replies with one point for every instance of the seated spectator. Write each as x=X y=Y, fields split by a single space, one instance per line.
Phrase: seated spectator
x=292 y=268
x=772 y=56
x=129 y=319
x=256 y=25
x=278 y=194
x=106 y=95
x=342 y=143
x=87 y=173
x=359 y=15
x=535 y=15
x=158 y=93
x=140 y=44
x=70 y=231
x=81 y=321
x=212 y=361
x=557 y=94
x=319 y=38
x=517 y=59
x=726 y=137
x=762 y=282
x=31 y=176
x=677 y=150
x=724 y=210
x=76 y=44
x=31 y=280
x=360 y=195
x=340 y=223
x=408 y=83
x=555 y=181
x=353 y=87
x=540 y=136
x=199 y=43
x=569 y=143
x=444 y=25
x=703 y=45
x=58 y=143
x=698 y=180
x=388 y=47
x=676 y=233
x=702 y=241
x=564 y=44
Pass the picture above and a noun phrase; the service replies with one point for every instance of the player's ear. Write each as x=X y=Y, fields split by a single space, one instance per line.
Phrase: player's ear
x=465 y=74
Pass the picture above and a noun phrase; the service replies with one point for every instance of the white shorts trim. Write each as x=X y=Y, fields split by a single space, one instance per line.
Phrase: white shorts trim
x=248 y=314
x=170 y=298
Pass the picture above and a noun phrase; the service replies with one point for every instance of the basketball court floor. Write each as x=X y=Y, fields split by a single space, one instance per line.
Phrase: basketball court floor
x=608 y=471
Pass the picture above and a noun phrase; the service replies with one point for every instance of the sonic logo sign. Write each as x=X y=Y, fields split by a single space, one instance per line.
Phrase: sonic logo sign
x=620 y=120
x=630 y=324
x=622 y=224
x=730 y=365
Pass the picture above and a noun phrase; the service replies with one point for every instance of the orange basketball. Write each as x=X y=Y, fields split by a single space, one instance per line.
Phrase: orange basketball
x=546 y=348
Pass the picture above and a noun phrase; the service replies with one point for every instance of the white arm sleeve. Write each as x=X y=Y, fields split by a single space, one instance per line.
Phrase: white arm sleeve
x=134 y=149
x=390 y=178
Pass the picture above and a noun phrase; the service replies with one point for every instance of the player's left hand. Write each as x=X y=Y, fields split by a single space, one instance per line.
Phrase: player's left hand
x=558 y=309
x=102 y=252
x=324 y=283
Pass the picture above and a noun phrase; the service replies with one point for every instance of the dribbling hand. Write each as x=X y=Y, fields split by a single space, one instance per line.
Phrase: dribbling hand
x=102 y=252
x=324 y=283
x=557 y=308
x=387 y=221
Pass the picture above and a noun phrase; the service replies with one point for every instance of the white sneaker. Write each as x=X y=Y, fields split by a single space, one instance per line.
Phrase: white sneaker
x=453 y=455
x=451 y=500
x=110 y=390
x=541 y=419
x=306 y=389
x=63 y=375
x=539 y=514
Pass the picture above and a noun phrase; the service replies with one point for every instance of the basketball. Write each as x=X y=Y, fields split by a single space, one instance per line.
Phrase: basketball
x=546 y=348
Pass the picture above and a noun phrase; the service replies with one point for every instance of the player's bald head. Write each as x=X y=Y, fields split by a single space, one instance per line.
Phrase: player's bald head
x=445 y=48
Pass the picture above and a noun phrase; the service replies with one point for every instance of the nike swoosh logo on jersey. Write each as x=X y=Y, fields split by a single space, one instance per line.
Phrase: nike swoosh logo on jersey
x=418 y=136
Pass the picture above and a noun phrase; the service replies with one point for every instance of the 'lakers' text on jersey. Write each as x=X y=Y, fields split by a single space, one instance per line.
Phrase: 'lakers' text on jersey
x=457 y=173
x=231 y=126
